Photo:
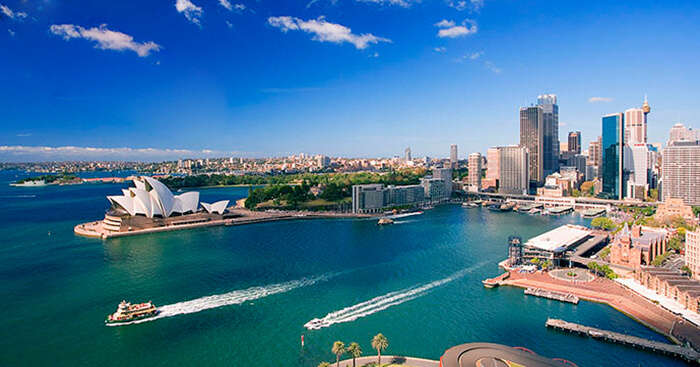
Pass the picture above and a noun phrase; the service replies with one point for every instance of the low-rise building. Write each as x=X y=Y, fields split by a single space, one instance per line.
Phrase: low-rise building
x=638 y=246
x=674 y=208
x=671 y=284
x=375 y=198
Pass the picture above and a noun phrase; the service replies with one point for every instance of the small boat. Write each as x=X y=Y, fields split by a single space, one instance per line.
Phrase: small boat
x=126 y=312
x=469 y=205
x=315 y=324
x=385 y=220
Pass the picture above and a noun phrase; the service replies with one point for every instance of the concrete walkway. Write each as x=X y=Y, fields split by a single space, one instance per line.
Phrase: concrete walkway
x=407 y=361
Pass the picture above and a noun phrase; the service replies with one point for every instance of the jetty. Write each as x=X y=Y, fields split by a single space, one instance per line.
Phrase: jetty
x=678 y=351
x=557 y=296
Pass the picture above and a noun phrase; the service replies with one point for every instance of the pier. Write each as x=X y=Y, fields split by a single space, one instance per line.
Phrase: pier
x=557 y=296
x=686 y=353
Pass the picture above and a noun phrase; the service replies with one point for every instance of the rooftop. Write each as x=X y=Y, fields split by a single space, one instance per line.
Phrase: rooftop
x=559 y=238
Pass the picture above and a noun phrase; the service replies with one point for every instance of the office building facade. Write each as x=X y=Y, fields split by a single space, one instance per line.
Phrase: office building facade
x=574 y=144
x=375 y=198
x=454 y=157
x=444 y=174
x=612 y=171
x=532 y=138
x=474 y=173
x=514 y=170
x=550 y=124
x=681 y=172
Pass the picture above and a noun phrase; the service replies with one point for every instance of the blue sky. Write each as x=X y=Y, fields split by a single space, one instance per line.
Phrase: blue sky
x=345 y=77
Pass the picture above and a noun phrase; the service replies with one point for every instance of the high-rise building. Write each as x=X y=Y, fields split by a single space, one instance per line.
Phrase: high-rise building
x=323 y=161
x=454 y=157
x=638 y=182
x=444 y=174
x=492 y=169
x=532 y=138
x=692 y=252
x=595 y=153
x=550 y=121
x=513 y=168
x=613 y=159
x=474 y=166
x=635 y=126
x=574 y=142
x=408 y=154
x=681 y=133
x=375 y=198
x=680 y=172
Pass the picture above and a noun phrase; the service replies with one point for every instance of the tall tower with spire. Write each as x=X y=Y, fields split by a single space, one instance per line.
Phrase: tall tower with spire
x=646 y=109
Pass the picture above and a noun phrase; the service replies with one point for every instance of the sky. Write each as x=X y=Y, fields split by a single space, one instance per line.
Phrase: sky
x=151 y=80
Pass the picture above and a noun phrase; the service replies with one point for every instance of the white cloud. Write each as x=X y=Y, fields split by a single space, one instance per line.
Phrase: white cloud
x=18 y=15
x=23 y=153
x=445 y=23
x=599 y=99
x=226 y=4
x=24 y=135
x=239 y=7
x=324 y=31
x=192 y=12
x=491 y=66
x=471 y=5
x=11 y=32
x=229 y=24
x=401 y=3
x=451 y=30
x=105 y=39
x=440 y=49
x=475 y=55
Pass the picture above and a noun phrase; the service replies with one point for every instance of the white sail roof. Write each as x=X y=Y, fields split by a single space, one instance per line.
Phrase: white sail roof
x=151 y=198
x=218 y=207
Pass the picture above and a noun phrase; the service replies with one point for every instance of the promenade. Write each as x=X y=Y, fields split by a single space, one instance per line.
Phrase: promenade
x=606 y=291
x=391 y=360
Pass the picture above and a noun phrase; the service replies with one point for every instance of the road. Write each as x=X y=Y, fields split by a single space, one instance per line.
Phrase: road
x=407 y=361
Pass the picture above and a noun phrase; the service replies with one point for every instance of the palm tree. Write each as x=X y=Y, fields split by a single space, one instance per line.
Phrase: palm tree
x=355 y=351
x=379 y=342
x=338 y=349
x=324 y=364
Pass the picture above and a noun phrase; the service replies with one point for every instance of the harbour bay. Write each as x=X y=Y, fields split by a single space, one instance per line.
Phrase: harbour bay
x=58 y=287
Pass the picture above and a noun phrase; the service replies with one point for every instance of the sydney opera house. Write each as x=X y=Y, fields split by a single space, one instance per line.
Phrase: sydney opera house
x=150 y=203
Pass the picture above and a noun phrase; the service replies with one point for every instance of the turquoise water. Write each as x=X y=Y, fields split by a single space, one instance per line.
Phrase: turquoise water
x=422 y=278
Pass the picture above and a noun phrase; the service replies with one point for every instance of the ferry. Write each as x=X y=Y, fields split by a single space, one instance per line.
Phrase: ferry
x=126 y=312
x=385 y=220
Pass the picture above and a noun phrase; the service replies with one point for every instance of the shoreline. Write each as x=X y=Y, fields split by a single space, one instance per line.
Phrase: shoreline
x=95 y=229
x=610 y=293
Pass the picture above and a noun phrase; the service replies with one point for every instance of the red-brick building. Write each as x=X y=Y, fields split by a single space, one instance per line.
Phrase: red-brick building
x=671 y=284
x=638 y=246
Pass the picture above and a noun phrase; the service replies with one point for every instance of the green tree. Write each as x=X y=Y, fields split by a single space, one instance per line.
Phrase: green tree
x=324 y=364
x=379 y=343
x=603 y=222
x=338 y=349
x=355 y=352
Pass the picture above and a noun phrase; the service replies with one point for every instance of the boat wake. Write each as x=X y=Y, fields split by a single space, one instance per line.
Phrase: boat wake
x=381 y=303
x=231 y=298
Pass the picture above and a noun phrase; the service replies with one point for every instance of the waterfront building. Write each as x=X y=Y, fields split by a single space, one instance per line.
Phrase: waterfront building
x=672 y=284
x=612 y=149
x=550 y=143
x=681 y=172
x=151 y=198
x=638 y=246
x=692 y=252
x=434 y=189
x=493 y=172
x=514 y=170
x=532 y=138
x=671 y=208
x=444 y=174
x=454 y=157
x=553 y=245
x=574 y=145
x=376 y=198
x=474 y=167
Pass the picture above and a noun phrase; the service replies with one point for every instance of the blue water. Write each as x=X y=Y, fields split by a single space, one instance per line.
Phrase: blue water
x=56 y=288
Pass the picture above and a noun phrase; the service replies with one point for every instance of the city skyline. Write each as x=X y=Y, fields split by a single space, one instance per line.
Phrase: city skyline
x=218 y=83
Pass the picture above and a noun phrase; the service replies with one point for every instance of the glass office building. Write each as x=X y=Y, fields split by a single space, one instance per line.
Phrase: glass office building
x=613 y=143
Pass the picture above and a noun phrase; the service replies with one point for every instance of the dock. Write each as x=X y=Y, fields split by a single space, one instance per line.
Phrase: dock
x=678 y=351
x=557 y=296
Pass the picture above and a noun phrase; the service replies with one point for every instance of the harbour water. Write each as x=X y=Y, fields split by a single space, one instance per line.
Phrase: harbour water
x=240 y=296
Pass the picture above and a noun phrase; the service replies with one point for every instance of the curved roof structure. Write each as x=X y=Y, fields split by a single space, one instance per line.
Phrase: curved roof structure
x=218 y=207
x=151 y=198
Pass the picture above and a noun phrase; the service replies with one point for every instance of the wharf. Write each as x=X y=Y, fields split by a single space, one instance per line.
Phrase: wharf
x=686 y=353
x=557 y=296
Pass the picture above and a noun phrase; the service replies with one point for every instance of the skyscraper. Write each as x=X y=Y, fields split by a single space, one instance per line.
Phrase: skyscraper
x=444 y=174
x=681 y=133
x=635 y=126
x=612 y=148
x=454 y=158
x=474 y=166
x=574 y=142
x=595 y=154
x=681 y=172
x=550 y=144
x=408 y=154
x=513 y=162
x=532 y=138
x=493 y=169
